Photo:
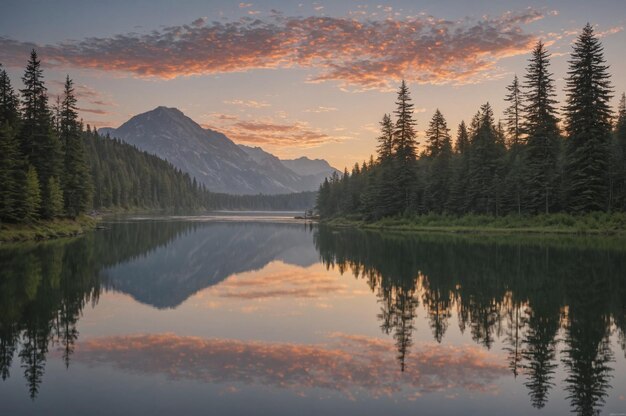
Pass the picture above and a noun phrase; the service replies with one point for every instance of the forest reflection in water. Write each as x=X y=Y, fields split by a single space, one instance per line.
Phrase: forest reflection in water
x=524 y=291
x=553 y=302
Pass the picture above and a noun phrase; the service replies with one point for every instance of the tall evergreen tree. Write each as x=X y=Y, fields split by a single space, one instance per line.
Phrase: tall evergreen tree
x=54 y=208
x=385 y=140
x=588 y=124
x=31 y=196
x=437 y=134
x=439 y=151
x=9 y=102
x=384 y=196
x=462 y=139
x=39 y=143
x=618 y=161
x=513 y=113
x=405 y=145
x=540 y=124
x=484 y=167
x=323 y=199
x=512 y=192
x=76 y=179
x=458 y=188
x=11 y=170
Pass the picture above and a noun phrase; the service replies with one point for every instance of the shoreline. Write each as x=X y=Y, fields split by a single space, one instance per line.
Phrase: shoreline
x=563 y=224
x=47 y=230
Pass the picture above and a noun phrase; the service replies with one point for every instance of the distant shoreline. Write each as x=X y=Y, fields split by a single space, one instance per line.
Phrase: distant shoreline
x=46 y=230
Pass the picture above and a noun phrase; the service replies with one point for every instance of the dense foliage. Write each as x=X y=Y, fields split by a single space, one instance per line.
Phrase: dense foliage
x=525 y=165
x=43 y=170
x=52 y=167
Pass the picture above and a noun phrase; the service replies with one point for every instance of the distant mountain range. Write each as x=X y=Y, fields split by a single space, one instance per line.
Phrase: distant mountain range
x=215 y=160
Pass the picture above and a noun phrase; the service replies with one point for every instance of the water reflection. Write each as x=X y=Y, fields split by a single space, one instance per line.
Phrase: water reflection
x=43 y=289
x=523 y=291
x=347 y=364
x=203 y=255
x=554 y=304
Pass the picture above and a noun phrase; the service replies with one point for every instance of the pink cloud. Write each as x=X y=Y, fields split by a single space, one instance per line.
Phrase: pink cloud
x=282 y=284
x=279 y=134
x=363 y=54
x=93 y=111
x=348 y=364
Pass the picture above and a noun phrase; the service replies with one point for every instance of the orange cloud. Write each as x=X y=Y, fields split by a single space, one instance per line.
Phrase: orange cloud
x=276 y=135
x=248 y=103
x=224 y=117
x=289 y=284
x=320 y=109
x=348 y=365
x=610 y=31
x=363 y=54
x=93 y=111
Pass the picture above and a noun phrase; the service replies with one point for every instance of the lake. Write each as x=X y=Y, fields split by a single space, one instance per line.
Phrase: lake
x=260 y=314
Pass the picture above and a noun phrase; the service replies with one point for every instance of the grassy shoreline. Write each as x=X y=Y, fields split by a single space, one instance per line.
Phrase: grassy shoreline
x=597 y=223
x=45 y=230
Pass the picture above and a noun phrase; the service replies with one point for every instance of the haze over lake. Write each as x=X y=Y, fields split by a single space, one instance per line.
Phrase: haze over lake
x=260 y=314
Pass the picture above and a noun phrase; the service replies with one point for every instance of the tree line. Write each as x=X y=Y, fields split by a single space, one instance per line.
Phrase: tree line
x=536 y=160
x=125 y=177
x=52 y=166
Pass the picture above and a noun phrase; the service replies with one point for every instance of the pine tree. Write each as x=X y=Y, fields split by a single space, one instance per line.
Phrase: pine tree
x=345 y=203
x=77 y=189
x=9 y=102
x=405 y=145
x=540 y=125
x=588 y=124
x=38 y=142
x=436 y=135
x=56 y=110
x=10 y=159
x=10 y=175
x=513 y=113
x=323 y=199
x=618 y=160
x=462 y=139
x=460 y=169
x=472 y=130
x=31 y=196
x=54 y=198
x=439 y=151
x=385 y=140
x=484 y=166
x=382 y=198
x=513 y=186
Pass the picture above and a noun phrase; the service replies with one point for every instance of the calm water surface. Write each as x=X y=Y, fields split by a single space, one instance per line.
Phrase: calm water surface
x=241 y=314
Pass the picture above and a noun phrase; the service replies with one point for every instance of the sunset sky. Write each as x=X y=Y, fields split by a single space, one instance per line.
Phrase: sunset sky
x=297 y=78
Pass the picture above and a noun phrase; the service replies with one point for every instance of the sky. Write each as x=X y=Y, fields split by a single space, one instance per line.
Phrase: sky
x=298 y=78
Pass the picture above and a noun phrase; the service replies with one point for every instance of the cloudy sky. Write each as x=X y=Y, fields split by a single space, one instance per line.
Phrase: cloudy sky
x=297 y=78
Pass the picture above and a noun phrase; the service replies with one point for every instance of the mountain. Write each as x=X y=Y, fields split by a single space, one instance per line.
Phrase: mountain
x=274 y=169
x=305 y=166
x=313 y=169
x=302 y=173
x=209 y=156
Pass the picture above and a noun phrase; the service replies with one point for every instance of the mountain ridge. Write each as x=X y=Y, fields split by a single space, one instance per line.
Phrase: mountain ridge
x=213 y=159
